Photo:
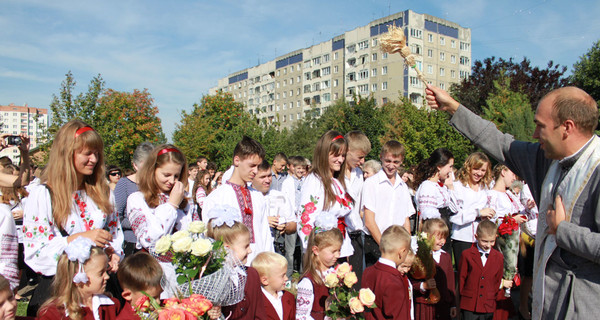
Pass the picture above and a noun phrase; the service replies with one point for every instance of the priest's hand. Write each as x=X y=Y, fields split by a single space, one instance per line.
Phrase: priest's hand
x=556 y=215
x=439 y=99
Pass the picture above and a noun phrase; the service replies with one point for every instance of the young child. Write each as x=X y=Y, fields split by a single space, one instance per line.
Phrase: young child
x=384 y=279
x=437 y=230
x=138 y=272
x=225 y=224
x=292 y=188
x=480 y=275
x=79 y=285
x=323 y=250
x=404 y=268
x=279 y=304
x=8 y=303
x=370 y=168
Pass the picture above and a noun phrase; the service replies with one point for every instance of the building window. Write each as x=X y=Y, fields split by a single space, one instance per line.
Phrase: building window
x=335 y=83
x=285 y=104
x=351 y=49
x=464 y=74
x=351 y=76
x=335 y=55
x=384 y=55
x=453 y=73
x=374 y=87
x=429 y=69
x=416 y=33
x=307 y=88
x=442 y=56
x=284 y=83
x=374 y=57
x=464 y=61
x=285 y=94
x=335 y=69
x=442 y=86
x=292 y=69
x=430 y=37
x=326 y=71
x=384 y=70
x=415 y=48
x=326 y=58
x=374 y=72
x=363 y=89
x=291 y=93
x=284 y=70
x=453 y=58
x=442 y=72
x=464 y=46
x=414 y=81
x=291 y=81
x=326 y=84
x=363 y=74
x=453 y=43
x=363 y=45
x=307 y=64
x=384 y=86
x=442 y=41
x=298 y=79
x=307 y=75
x=374 y=42
x=430 y=53
x=316 y=61
x=278 y=72
x=291 y=117
x=327 y=97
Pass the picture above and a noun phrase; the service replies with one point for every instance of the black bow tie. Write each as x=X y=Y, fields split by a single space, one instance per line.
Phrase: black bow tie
x=486 y=254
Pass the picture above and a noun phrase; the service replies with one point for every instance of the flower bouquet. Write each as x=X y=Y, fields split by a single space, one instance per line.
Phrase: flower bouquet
x=508 y=243
x=194 y=307
x=203 y=266
x=424 y=266
x=345 y=302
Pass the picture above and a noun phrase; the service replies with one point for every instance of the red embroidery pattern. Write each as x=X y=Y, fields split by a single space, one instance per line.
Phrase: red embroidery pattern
x=85 y=217
x=245 y=203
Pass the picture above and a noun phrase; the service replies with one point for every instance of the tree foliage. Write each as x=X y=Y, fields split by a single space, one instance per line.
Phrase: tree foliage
x=510 y=111
x=534 y=82
x=586 y=72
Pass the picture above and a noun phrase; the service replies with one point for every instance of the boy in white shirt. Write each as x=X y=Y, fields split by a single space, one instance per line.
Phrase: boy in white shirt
x=386 y=200
x=279 y=303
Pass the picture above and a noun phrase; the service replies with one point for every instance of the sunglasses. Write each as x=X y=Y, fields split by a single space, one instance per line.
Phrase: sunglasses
x=114 y=173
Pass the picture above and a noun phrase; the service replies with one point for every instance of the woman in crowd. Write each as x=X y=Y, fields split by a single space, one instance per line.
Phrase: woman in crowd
x=113 y=175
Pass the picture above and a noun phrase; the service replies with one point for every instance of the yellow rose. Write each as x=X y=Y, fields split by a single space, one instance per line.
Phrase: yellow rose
x=367 y=297
x=182 y=245
x=180 y=235
x=331 y=280
x=163 y=244
x=355 y=305
x=342 y=269
x=201 y=247
x=350 y=279
x=197 y=227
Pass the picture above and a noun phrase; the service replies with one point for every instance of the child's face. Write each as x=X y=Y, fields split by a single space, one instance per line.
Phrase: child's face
x=8 y=304
x=300 y=171
x=241 y=246
x=405 y=266
x=486 y=242
x=390 y=163
x=248 y=167
x=154 y=292
x=438 y=241
x=355 y=158
x=277 y=278
x=95 y=268
x=327 y=255
x=368 y=172
x=166 y=176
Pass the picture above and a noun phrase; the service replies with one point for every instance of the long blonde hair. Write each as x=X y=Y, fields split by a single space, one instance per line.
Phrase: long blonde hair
x=321 y=240
x=60 y=175
x=65 y=293
x=147 y=173
x=475 y=161
x=330 y=142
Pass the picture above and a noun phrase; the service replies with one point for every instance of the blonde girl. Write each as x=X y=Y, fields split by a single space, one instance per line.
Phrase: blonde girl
x=72 y=200
x=8 y=303
x=202 y=188
x=79 y=285
x=323 y=192
x=160 y=207
x=324 y=245
x=501 y=200
x=470 y=192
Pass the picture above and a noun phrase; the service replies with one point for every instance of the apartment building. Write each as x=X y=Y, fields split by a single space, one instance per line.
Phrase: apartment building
x=309 y=80
x=16 y=120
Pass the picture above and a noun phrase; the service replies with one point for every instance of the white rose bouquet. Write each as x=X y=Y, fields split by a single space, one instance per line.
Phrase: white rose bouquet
x=345 y=302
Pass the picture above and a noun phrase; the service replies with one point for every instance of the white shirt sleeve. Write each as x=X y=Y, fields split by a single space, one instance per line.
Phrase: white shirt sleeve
x=428 y=201
x=304 y=299
x=149 y=224
x=311 y=204
x=467 y=211
x=10 y=247
x=289 y=190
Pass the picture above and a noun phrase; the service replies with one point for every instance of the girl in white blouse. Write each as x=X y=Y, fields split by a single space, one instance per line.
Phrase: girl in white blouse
x=72 y=200
x=160 y=207
x=322 y=191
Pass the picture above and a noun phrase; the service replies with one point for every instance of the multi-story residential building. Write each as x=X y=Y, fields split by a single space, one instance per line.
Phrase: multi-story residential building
x=16 y=120
x=311 y=79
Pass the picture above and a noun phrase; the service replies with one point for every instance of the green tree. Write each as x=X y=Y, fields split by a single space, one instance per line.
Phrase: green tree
x=510 y=111
x=586 y=72
x=421 y=131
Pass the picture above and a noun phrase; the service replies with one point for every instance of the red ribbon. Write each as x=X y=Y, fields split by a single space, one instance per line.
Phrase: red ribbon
x=342 y=226
x=82 y=130
x=338 y=137
x=166 y=150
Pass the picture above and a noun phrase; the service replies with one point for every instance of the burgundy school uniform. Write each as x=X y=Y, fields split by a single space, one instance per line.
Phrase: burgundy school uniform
x=252 y=306
x=444 y=281
x=127 y=313
x=106 y=312
x=321 y=293
x=478 y=284
x=391 y=292
x=288 y=302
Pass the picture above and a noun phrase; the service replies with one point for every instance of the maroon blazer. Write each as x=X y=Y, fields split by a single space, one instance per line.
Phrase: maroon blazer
x=478 y=284
x=391 y=292
x=127 y=313
x=106 y=312
x=289 y=307
x=252 y=306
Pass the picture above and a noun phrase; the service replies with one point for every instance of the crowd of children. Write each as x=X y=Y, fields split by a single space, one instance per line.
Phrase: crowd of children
x=95 y=249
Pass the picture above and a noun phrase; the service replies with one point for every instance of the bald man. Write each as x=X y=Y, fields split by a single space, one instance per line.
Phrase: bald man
x=563 y=172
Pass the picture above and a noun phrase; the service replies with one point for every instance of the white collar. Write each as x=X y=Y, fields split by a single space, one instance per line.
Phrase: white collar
x=481 y=250
x=577 y=152
x=387 y=262
x=269 y=295
x=97 y=301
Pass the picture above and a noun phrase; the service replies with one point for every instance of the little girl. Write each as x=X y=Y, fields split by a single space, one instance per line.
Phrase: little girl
x=79 y=285
x=404 y=268
x=502 y=201
x=443 y=280
x=323 y=250
x=160 y=207
x=8 y=303
x=225 y=224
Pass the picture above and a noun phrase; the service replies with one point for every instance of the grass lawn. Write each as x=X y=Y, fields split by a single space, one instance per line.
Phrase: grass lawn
x=22 y=308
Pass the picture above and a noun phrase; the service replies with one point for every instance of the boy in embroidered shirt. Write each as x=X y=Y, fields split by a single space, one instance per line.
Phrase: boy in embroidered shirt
x=384 y=279
x=138 y=272
x=271 y=268
x=247 y=156
x=480 y=275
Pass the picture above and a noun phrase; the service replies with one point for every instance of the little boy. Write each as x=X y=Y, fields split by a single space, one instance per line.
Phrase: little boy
x=384 y=279
x=404 y=268
x=138 y=272
x=271 y=268
x=480 y=275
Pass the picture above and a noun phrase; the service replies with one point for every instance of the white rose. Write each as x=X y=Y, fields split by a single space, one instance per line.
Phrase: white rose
x=331 y=280
x=163 y=244
x=197 y=227
x=180 y=235
x=350 y=279
x=201 y=247
x=182 y=245
x=367 y=297
x=355 y=305
x=342 y=269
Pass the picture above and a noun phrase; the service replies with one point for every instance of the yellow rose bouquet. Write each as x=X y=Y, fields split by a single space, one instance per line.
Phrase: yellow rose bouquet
x=345 y=302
